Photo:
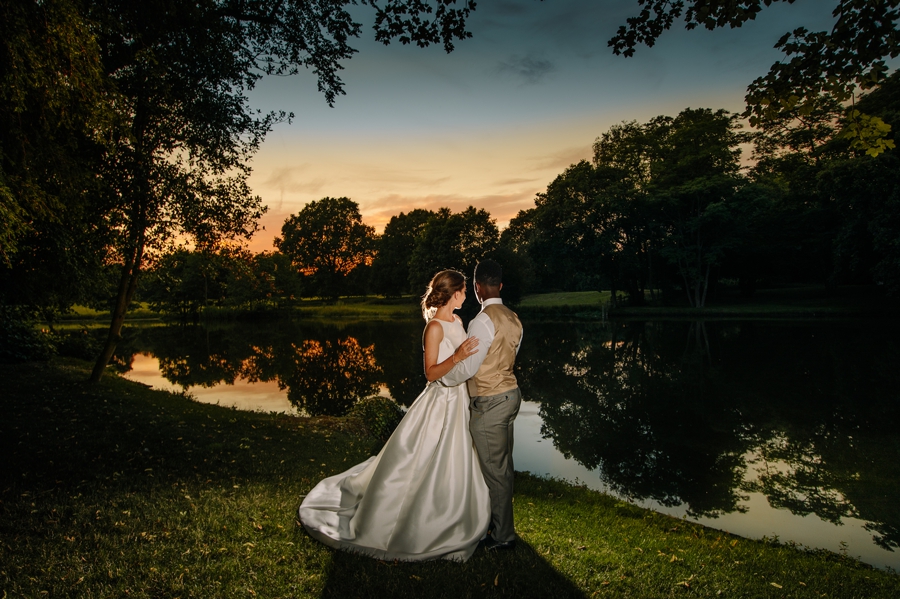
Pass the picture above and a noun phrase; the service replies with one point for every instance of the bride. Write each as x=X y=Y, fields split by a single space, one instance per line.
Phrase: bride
x=423 y=496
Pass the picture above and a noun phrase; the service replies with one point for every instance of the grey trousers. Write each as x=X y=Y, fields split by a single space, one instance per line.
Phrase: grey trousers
x=491 y=424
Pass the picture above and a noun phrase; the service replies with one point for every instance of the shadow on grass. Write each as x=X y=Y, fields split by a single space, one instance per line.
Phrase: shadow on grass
x=520 y=573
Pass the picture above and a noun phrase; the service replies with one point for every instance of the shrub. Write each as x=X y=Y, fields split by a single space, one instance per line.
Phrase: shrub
x=20 y=341
x=378 y=416
x=78 y=344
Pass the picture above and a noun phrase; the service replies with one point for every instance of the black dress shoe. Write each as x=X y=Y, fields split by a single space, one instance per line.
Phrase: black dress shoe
x=491 y=545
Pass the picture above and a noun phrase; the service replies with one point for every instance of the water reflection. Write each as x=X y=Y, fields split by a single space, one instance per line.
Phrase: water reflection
x=704 y=419
x=704 y=414
x=323 y=370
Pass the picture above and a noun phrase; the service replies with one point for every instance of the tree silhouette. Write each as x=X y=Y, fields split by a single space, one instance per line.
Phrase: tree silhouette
x=327 y=240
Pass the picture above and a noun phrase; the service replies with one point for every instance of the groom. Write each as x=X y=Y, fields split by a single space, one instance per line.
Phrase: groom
x=495 y=397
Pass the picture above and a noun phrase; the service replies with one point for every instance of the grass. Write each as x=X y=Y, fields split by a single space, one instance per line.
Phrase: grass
x=368 y=308
x=811 y=301
x=793 y=302
x=565 y=298
x=141 y=311
x=117 y=490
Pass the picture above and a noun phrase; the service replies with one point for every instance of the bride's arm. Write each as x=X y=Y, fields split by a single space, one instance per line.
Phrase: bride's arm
x=434 y=334
x=480 y=328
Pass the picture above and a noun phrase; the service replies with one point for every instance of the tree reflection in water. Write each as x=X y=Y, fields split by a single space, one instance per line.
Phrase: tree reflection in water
x=683 y=413
x=328 y=378
x=703 y=413
x=324 y=375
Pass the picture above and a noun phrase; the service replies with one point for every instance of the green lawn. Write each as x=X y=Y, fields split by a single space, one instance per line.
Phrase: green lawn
x=140 y=311
x=565 y=298
x=116 y=490
x=794 y=302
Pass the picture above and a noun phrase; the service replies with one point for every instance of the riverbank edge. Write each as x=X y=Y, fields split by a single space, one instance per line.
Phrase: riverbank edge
x=116 y=489
x=776 y=304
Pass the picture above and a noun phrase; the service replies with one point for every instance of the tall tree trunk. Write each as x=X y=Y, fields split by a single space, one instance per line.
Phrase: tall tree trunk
x=705 y=286
x=613 y=290
x=687 y=283
x=127 y=285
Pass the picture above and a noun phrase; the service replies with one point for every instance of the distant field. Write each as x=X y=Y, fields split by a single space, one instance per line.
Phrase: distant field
x=810 y=301
x=141 y=310
x=565 y=298
x=799 y=302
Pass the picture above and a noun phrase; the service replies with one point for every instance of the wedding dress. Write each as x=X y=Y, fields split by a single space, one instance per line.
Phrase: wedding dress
x=423 y=496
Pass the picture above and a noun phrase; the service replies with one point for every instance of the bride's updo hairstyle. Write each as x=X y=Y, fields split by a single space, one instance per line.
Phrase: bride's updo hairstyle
x=441 y=288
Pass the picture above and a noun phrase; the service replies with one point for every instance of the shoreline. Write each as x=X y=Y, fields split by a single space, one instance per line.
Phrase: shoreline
x=777 y=304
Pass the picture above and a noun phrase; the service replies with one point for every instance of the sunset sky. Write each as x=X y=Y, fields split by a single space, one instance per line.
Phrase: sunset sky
x=495 y=121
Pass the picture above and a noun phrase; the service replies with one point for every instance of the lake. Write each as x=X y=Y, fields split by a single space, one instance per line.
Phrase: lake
x=762 y=428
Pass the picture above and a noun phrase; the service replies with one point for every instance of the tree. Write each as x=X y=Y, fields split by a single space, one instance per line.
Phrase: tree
x=327 y=240
x=695 y=177
x=184 y=282
x=564 y=217
x=53 y=117
x=455 y=241
x=390 y=269
x=282 y=279
x=664 y=189
x=55 y=122
x=837 y=63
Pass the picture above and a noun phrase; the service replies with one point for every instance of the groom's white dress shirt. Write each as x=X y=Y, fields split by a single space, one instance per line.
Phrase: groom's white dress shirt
x=483 y=328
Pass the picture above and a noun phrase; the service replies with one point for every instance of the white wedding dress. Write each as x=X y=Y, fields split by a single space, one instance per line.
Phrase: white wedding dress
x=423 y=496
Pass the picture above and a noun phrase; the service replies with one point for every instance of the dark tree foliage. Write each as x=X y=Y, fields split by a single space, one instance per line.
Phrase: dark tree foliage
x=455 y=241
x=657 y=208
x=390 y=268
x=55 y=124
x=836 y=63
x=833 y=212
x=327 y=241
x=53 y=117
x=566 y=221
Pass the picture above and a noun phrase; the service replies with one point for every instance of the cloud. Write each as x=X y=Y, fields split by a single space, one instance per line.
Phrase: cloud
x=283 y=179
x=562 y=159
x=530 y=68
x=515 y=181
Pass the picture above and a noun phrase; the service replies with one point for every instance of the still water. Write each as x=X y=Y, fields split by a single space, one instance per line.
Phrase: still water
x=777 y=429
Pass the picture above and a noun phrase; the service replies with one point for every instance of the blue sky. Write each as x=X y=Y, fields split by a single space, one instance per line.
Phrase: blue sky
x=492 y=123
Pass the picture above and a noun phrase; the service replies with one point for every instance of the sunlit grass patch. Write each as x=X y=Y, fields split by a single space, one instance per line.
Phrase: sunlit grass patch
x=565 y=298
x=139 y=310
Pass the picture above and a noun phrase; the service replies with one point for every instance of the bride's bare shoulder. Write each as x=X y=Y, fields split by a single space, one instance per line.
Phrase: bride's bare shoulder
x=433 y=331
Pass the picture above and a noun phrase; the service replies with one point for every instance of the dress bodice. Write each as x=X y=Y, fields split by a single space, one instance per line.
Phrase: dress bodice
x=454 y=334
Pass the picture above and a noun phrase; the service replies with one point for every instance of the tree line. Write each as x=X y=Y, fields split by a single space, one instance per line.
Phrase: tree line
x=673 y=205
x=325 y=251
x=666 y=210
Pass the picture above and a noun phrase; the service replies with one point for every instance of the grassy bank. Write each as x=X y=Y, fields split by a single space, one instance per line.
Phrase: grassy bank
x=139 y=311
x=120 y=491
x=794 y=302
x=790 y=302
x=354 y=308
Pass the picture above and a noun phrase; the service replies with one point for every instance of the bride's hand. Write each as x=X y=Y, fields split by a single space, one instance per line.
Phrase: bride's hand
x=465 y=349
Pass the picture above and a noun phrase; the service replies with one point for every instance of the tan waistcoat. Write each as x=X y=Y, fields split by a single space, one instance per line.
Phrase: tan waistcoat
x=495 y=375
